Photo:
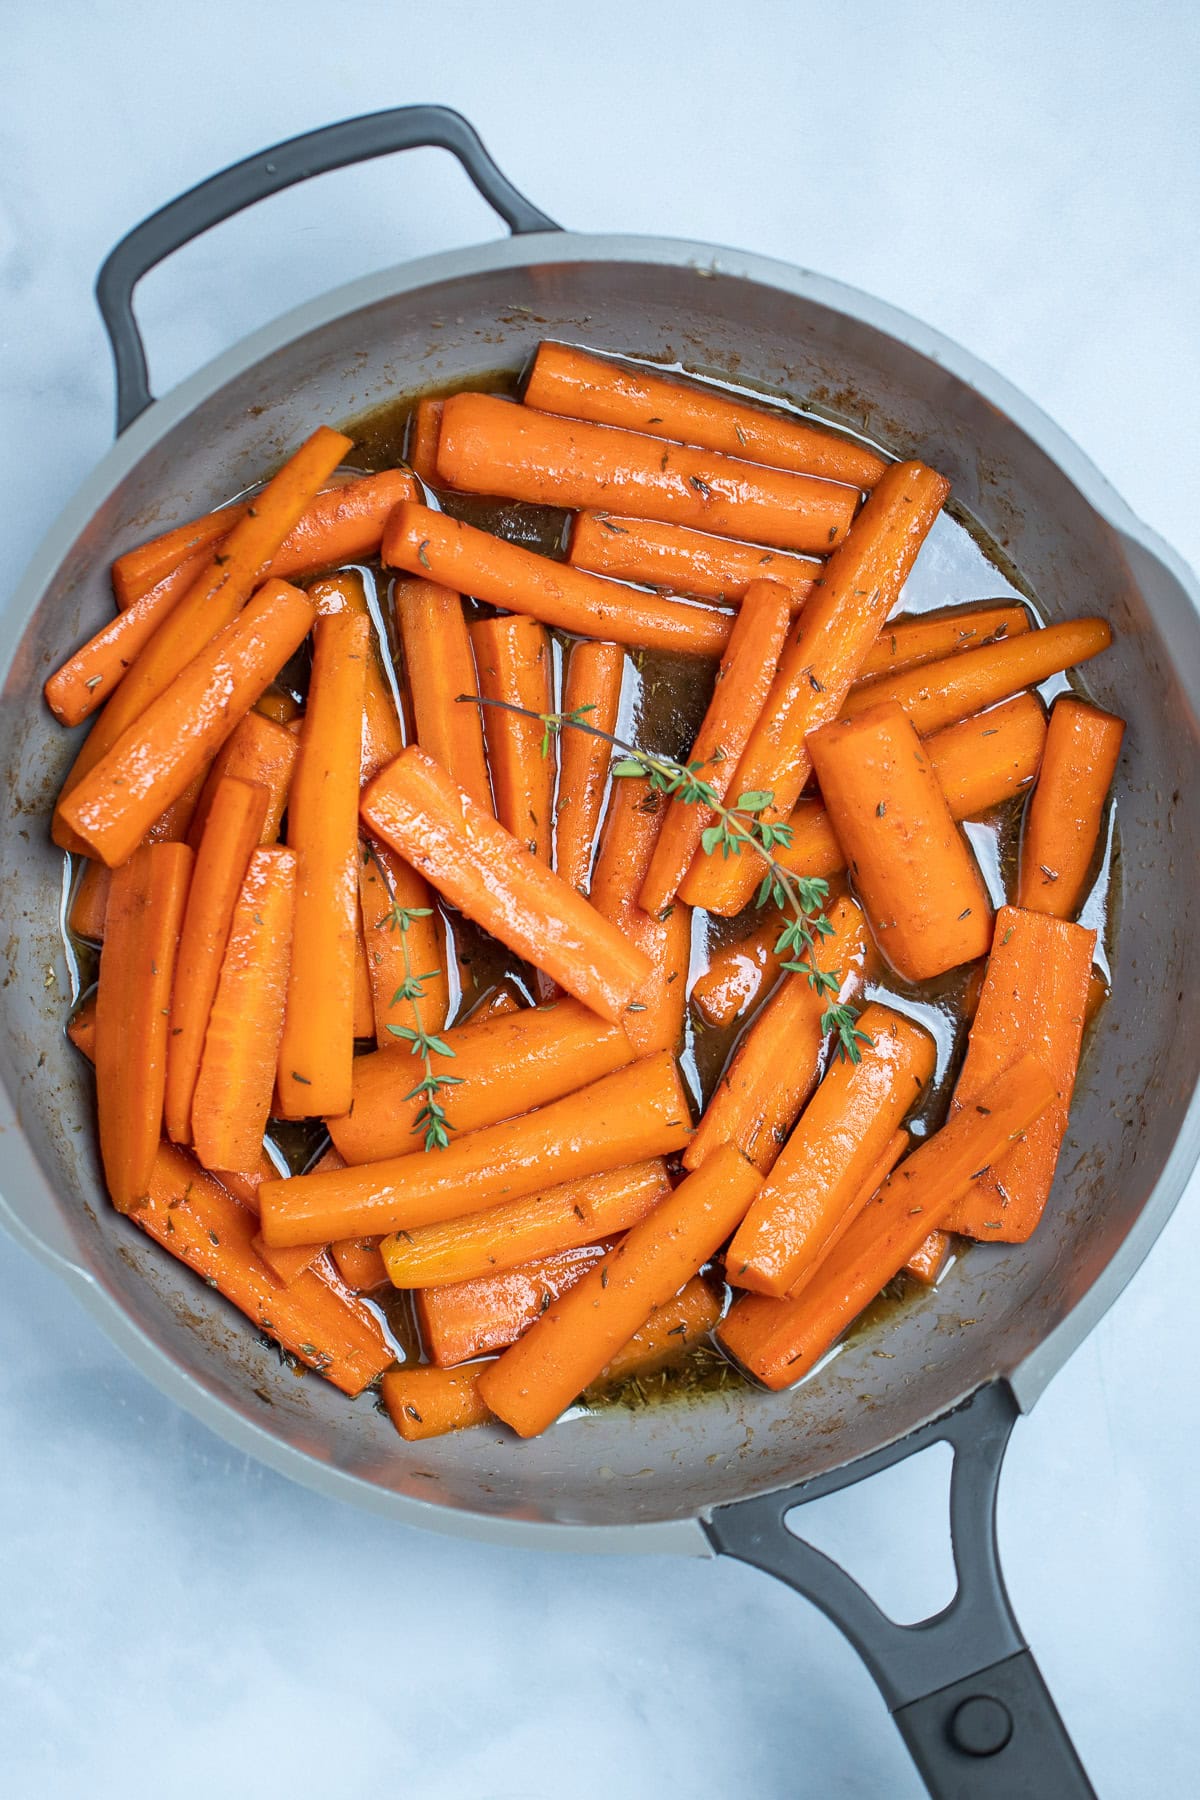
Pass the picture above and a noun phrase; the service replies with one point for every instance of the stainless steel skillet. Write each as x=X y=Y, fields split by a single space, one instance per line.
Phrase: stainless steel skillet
x=722 y=1474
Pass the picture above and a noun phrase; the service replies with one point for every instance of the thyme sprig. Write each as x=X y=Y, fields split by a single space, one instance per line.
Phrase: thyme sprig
x=432 y=1118
x=734 y=829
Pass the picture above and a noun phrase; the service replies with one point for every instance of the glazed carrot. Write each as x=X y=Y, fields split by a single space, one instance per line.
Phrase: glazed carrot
x=84 y=682
x=466 y=1319
x=245 y=1182
x=258 y=751
x=317 y=1047
x=779 y=1341
x=190 y=1214
x=276 y=704
x=482 y=869
x=90 y=902
x=496 y=1003
x=1062 y=825
x=504 y=1064
x=668 y=1334
x=842 y=1132
x=524 y=1231
x=440 y=666
x=382 y=737
x=222 y=856
x=592 y=691
x=837 y=628
x=568 y=1346
x=489 y=446
x=358 y=1262
x=1097 y=994
x=514 y=665
x=474 y=562
x=907 y=643
x=137 y=572
x=1034 y=999
x=398 y=913
x=636 y=1113
x=285 y=1265
x=654 y=1018
x=743 y=682
x=424 y=427
x=423 y=1402
x=913 y=868
x=928 y=1259
x=937 y=694
x=171 y=744
x=776 y=1063
x=137 y=964
x=677 y=559
x=570 y=381
x=362 y=1005
x=81 y=1027
x=241 y=1045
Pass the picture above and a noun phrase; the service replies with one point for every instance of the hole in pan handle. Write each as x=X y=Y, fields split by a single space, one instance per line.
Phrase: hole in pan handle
x=962 y=1686
x=270 y=171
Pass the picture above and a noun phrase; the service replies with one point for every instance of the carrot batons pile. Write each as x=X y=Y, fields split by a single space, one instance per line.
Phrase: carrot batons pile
x=356 y=857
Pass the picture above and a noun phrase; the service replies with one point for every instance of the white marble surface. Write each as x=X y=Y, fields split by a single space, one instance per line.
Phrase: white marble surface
x=175 y=1620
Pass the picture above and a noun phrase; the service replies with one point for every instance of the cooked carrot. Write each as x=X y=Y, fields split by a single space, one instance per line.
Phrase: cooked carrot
x=90 y=902
x=655 y=1015
x=276 y=704
x=358 y=1263
x=514 y=664
x=776 y=1063
x=285 y=1265
x=668 y=1334
x=174 y=824
x=938 y=694
x=570 y=381
x=743 y=682
x=230 y=834
x=592 y=692
x=913 y=868
x=171 y=744
x=568 y=1346
x=928 y=1259
x=258 y=751
x=466 y=1319
x=474 y=562
x=636 y=1113
x=137 y=965
x=680 y=560
x=317 y=1048
x=522 y=1231
x=424 y=426
x=382 y=737
x=423 y=1402
x=906 y=643
x=489 y=446
x=826 y=651
x=1062 y=825
x=842 y=1132
x=1097 y=994
x=398 y=914
x=440 y=666
x=190 y=1214
x=138 y=571
x=1034 y=999
x=245 y=1182
x=86 y=680
x=482 y=869
x=362 y=1005
x=494 y=1003
x=81 y=1027
x=241 y=1046
x=779 y=1341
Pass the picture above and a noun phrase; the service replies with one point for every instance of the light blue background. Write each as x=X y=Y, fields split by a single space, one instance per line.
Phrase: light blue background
x=176 y=1621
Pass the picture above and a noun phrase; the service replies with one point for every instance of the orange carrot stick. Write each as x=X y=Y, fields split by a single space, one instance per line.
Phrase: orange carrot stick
x=524 y=1231
x=639 y=1112
x=81 y=1027
x=514 y=665
x=137 y=572
x=654 y=1018
x=928 y=1259
x=775 y=1065
x=489 y=446
x=171 y=744
x=230 y=834
x=424 y=427
x=362 y=1006
x=358 y=1263
x=398 y=913
x=1096 y=996
x=668 y=1334
x=1034 y=999
x=842 y=1132
x=569 y=1345
x=907 y=643
x=679 y=560
x=440 y=666
x=137 y=964
x=474 y=562
x=779 y=1341
x=257 y=751
x=423 y=1402
x=466 y=1319
x=573 y=382
x=85 y=681
x=285 y=1265
x=90 y=902
x=837 y=628
x=277 y=704
x=382 y=737
x=495 y=1004
x=1062 y=826
x=317 y=1048
x=241 y=1046
x=592 y=691
x=504 y=1064
x=190 y=1214
x=914 y=871
x=743 y=683
x=480 y=868
x=937 y=694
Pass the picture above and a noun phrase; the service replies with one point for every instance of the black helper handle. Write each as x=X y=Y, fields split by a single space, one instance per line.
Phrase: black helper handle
x=962 y=1686
x=244 y=183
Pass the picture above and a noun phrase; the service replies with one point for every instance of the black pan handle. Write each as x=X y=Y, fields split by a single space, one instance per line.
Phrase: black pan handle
x=962 y=1686
x=313 y=153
